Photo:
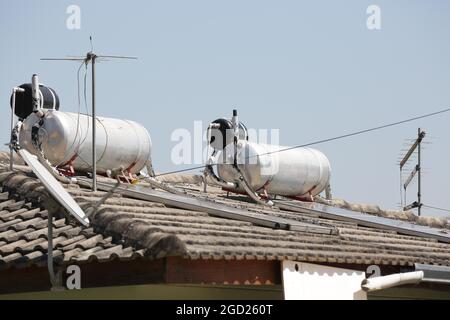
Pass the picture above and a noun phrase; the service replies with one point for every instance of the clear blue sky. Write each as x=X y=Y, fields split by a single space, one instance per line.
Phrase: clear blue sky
x=310 y=68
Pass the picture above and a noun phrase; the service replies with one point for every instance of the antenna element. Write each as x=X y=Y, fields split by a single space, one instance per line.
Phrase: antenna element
x=91 y=57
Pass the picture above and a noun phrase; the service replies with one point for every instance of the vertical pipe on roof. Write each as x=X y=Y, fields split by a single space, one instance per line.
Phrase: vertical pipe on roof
x=94 y=155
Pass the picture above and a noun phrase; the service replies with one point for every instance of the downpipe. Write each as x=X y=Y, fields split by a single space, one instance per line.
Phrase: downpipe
x=392 y=280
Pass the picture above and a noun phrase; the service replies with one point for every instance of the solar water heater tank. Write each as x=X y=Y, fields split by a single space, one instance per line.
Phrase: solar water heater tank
x=66 y=139
x=294 y=172
x=279 y=170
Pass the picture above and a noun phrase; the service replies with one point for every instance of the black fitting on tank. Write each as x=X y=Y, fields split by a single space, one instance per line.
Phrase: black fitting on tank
x=224 y=138
x=24 y=100
x=234 y=112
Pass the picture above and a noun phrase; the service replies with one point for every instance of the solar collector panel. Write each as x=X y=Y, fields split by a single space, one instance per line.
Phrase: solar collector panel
x=215 y=209
x=330 y=212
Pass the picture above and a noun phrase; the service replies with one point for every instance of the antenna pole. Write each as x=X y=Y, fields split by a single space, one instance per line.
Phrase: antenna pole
x=54 y=277
x=419 y=169
x=94 y=155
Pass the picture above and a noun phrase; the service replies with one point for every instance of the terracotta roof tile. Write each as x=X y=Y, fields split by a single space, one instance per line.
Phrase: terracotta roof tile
x=124 y=229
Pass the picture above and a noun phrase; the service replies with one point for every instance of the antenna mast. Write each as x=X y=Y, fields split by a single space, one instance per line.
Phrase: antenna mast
x=92 y=57
x=94 y=151
x=417 y=170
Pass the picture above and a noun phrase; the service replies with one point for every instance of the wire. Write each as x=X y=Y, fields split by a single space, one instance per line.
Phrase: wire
x=436 y=208
x=325 y=140
x=85 y=104
x=79 y=131
x=358 y=132
x=182 y=170
x=78 y=114
x=79 y=107
x=87 y=118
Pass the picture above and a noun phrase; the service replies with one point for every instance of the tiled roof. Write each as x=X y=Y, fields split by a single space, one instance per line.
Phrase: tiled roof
x=124 y=228
x=23 y=230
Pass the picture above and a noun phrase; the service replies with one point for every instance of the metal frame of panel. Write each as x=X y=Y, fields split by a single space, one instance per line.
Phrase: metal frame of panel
x=365 y=220
x=54 y=187
x=214 y=209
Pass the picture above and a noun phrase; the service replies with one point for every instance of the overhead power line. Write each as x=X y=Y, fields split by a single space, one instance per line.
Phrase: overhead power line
x=360 y=132
x=326 y=140
x=436 y=208
x=181 y=170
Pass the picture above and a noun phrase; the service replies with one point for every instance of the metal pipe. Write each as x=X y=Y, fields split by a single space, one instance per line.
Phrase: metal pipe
x=163 y=186
x=328 y=194
x=419 y=170
x=401 y=189
x=235 y=125
x=11 y=151
x=13 y=111
x=242 y=179
x=392 y=280
x=35 y=91
x=228 y=185
x=51 y=271
x=252 y=194
x=94 y=156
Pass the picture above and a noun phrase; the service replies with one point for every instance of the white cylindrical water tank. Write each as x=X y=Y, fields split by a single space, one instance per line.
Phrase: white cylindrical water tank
x=293 y=172
x=66 y=138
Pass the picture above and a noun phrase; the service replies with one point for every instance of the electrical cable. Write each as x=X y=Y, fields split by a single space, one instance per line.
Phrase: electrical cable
x=85 y=105
x=87 y=118
x=436 y=208
x=359 y=132
x=78 y=114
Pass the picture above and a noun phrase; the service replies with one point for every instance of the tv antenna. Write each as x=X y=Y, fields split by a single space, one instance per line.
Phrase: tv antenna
x=416 y=146
x=91 y=57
